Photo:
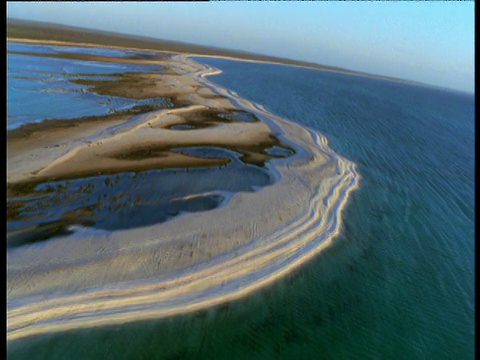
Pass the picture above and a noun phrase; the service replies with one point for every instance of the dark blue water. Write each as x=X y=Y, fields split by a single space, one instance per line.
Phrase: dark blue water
x=398 y=281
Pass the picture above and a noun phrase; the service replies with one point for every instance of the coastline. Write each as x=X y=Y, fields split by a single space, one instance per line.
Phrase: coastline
x=137 y=281
x=49 y=32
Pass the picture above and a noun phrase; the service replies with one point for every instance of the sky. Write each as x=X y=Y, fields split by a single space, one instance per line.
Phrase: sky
x=428 y=42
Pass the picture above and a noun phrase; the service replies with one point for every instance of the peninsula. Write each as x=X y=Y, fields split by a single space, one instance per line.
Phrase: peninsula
x=189 y=198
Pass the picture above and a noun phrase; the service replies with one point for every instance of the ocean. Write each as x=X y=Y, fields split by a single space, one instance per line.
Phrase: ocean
x=402 y=277
x=398 y=282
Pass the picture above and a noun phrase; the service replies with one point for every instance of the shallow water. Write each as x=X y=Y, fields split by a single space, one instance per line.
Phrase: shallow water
x=40 y=88
x=130 y=200
x=399 y=278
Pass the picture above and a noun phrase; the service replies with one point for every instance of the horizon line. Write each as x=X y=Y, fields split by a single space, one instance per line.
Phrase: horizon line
x=237 y=54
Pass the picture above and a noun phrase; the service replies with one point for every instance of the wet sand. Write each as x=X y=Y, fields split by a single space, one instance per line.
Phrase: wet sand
x=55 y=145
x=193 y=261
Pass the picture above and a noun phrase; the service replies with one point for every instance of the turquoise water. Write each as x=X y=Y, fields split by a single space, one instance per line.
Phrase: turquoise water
x=398 y=281
x=413 y=217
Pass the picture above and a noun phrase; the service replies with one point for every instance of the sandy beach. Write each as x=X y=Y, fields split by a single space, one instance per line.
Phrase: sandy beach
x=192 y=261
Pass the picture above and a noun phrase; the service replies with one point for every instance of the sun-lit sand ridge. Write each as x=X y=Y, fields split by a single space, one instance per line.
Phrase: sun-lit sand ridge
x=193 y=261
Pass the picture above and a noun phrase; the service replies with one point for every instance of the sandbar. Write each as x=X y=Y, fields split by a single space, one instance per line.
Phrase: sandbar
x=193 y=261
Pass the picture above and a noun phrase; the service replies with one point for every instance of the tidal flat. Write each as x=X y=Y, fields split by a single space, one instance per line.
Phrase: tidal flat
x=168 y=196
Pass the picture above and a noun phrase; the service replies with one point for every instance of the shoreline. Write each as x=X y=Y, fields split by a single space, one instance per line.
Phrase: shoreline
x=286 y=62
x=140 y=279
x=176 y=86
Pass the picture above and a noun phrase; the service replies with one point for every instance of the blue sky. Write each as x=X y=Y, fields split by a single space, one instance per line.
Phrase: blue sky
x=429 y=42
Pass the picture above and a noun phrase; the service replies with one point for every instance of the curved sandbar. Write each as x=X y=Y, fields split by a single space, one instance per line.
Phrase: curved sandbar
x=194 y=261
